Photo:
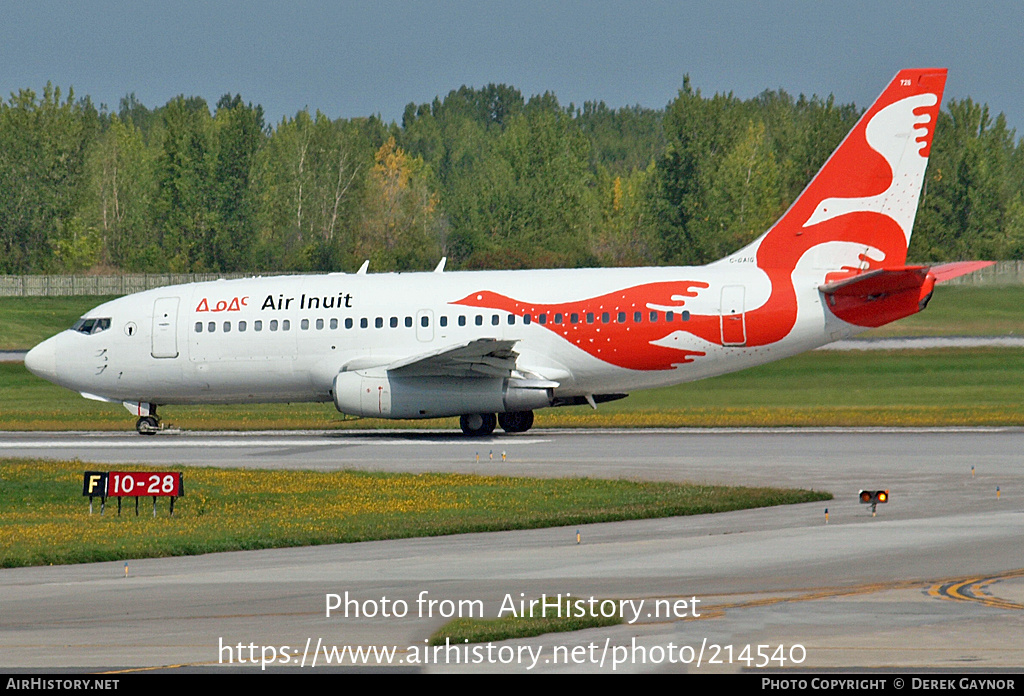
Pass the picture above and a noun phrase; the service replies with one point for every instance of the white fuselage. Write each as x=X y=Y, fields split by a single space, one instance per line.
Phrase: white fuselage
x=285 y=338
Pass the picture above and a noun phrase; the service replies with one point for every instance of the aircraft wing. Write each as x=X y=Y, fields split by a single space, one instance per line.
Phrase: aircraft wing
x=483 y=357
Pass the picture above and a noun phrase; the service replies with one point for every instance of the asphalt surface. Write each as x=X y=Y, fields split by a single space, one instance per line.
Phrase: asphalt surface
x=934 y=581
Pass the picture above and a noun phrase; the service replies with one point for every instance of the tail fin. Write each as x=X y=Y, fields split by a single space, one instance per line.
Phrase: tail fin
x=858 y=211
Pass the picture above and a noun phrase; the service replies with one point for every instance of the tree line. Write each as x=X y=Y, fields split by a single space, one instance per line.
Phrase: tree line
x=484 y=176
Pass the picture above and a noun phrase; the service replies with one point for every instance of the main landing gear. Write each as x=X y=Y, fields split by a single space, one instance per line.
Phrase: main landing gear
x=482 y=424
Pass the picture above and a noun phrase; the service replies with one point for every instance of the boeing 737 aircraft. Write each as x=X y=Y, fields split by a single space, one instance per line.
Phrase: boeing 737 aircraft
x=493 y=346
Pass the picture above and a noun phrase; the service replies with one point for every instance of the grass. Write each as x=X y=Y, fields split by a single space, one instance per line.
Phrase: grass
x=44 y=518
x=963 y=310
x=28 y=320
x=978 y=386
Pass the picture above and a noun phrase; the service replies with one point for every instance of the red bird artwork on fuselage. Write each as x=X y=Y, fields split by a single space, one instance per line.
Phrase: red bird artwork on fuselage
x=621 y=327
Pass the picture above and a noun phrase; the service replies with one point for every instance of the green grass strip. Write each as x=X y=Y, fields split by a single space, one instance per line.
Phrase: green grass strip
x=44 y=519
x=924 y=388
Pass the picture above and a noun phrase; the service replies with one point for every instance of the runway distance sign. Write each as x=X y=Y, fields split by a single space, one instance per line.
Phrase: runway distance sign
x=116 y=484
x=95 y=484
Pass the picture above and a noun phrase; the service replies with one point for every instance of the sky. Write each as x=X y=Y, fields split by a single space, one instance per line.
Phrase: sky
x=351 y=59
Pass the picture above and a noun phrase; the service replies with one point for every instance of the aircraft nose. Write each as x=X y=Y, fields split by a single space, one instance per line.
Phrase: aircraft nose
x=42 y=360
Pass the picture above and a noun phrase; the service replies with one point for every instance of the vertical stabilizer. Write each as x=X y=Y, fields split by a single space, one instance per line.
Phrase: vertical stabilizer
x=858 y=211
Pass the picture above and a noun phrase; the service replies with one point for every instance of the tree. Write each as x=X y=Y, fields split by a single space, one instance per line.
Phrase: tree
x=239 y=134
x=626 y=234
x=972 y=180
x=742 y=195
x=120 y=189
x=400 y=227
x=184 y=207
x=42 y=154
x=529 y=193
x=313 y=173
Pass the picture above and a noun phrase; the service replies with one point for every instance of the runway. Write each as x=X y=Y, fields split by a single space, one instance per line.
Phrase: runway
x=935 y=581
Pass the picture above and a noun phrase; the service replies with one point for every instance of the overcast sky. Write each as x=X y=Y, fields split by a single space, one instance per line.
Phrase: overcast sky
x=360 y=58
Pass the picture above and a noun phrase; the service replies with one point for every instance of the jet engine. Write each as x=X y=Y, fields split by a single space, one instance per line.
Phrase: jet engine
x=386 y=395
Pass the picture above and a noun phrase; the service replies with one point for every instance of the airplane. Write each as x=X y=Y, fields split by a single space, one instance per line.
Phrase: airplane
x=492 y=347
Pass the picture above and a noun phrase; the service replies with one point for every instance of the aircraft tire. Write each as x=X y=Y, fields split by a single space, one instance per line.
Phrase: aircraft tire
x=478 y=424
x=516 y=421
x=147 y=425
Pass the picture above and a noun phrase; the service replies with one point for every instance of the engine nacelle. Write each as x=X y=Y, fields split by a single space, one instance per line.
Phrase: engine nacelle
x=381 y=395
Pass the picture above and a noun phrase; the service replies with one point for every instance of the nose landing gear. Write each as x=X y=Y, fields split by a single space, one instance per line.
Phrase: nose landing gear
x=148 y=422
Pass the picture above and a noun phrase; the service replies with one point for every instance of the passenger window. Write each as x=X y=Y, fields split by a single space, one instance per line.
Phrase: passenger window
x=227 y=327
x=199 y=327
x=257 y=325
x=211 y=327
x=669 y=316
x=685 y=315
x=393 y=322
x=286 y=325
x=558 y=318
x=494 y=320
x=638 y=317
x=462 y=321
x=273 y=324
x=304 y=324
x=334 y=324
x=574 y=318
x=364 y=322
x=444 y=321
x=479 y=320
x=590 y=317
x=605 y=318
x=654 y=317
x=408 y=322
x=621 y=318
x=241 y=326
x=424 y=321
x=542 y=318
x=527 y=318
x=319 y=324
x=379 y=322
x=349 y=323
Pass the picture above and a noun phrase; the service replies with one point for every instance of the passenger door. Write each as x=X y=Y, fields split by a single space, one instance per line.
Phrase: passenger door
x=165 y=328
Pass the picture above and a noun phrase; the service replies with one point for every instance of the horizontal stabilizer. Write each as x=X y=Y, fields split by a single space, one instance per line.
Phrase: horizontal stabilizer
x=948 y=271
x=881 y=296
x=882 y=280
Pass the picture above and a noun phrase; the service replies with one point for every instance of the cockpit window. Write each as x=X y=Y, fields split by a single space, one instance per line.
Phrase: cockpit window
x=91 y=325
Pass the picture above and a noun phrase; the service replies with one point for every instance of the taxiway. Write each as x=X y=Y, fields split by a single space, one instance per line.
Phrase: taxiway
x=936 y=580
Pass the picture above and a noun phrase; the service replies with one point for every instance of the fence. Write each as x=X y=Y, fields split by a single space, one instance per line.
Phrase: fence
x=58 y=285
x=1003 y=273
